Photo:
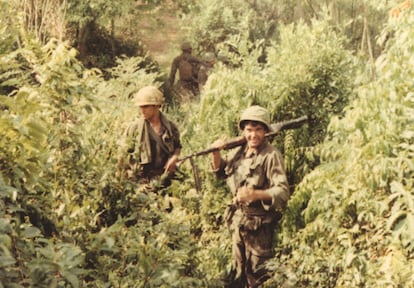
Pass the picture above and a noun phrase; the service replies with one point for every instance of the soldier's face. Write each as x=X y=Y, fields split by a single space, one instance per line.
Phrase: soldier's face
x=255 y=134
x=149 y=111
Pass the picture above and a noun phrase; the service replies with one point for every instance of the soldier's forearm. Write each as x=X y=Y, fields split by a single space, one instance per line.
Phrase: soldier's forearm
x=245 y=194
x=216 y=161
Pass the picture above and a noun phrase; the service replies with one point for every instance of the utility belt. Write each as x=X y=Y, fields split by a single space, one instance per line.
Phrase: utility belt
x=253 y=210
x=252 y=218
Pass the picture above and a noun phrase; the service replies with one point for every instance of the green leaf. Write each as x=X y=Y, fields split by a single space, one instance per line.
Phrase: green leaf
x=31 y=232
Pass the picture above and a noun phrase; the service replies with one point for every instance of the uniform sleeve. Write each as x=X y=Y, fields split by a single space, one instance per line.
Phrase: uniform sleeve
x=176 y=136
x=278 y=184
x=226 y=165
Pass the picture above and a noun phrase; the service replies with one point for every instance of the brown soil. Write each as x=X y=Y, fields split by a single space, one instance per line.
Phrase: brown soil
x=160 y=33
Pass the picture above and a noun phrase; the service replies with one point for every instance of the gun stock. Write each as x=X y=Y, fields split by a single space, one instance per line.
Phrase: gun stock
x=240 y=140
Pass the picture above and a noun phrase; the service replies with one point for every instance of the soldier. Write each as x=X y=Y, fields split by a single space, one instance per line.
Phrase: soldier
x=256 y=177
x=205 y=70
x=151 y=144
x=186 y=64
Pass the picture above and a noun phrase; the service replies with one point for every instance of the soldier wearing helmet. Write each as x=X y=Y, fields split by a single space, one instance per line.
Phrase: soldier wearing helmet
x=256 y=177
x=186 y=65
x=186 y=46
x=151 y=144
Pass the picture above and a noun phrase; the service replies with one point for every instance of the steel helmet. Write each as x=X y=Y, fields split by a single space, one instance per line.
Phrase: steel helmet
x=255 y=113
x=186 y=46
x=149 y=95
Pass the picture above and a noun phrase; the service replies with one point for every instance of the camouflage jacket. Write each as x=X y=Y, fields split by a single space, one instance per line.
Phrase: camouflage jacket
x=264 y=170
x=146 y=152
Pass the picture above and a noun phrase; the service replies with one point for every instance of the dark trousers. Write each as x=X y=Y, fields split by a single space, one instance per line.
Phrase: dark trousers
x=251 y=249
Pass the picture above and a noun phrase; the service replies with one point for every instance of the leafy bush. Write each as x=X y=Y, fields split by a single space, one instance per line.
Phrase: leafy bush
x=307 y=73
x=67 y=221
x=355 y=230
x=31 y=131
x=58 y=157
x=289 y=86
x=211 y=23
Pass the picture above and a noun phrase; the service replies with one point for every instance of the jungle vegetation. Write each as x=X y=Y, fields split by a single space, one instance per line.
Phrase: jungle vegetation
x=68 y=69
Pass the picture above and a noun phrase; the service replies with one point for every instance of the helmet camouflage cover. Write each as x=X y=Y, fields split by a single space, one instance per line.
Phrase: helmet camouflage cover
x=256 y=113
x=149 y=95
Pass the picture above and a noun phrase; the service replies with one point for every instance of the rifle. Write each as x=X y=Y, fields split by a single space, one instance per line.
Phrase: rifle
x=240 y=140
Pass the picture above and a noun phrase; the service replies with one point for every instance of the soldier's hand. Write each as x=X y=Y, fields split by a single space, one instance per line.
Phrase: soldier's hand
x=245 y=195
x=219 y=144
x=171 y=164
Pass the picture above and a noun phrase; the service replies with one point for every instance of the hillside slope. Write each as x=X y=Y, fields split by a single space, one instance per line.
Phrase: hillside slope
x=160 y=34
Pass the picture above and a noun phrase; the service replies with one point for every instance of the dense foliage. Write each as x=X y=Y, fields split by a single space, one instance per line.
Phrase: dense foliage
x=66 y=220
x=355 y=228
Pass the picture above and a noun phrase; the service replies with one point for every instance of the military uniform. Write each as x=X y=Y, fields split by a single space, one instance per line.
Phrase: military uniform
x=147 y=152
x=252 y=223
x=144 y=152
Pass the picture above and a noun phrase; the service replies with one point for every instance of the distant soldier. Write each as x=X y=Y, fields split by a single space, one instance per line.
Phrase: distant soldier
x=205 y=69
x=151 y=143
x=186 y=64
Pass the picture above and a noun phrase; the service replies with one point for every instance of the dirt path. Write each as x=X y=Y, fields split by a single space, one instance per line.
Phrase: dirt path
x=161 y=36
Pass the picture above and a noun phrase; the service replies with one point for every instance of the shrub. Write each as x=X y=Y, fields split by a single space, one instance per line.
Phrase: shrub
x=355 y=228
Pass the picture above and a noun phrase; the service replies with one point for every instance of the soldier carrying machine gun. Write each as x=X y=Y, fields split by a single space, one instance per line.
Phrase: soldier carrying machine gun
x=257 y=180
x=276 y=128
